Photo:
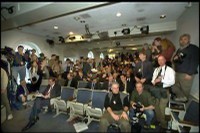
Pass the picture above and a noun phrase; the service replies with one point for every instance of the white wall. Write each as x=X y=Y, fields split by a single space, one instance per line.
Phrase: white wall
x=188 y=22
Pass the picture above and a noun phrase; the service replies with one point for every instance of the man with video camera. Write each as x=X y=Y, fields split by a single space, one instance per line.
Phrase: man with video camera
x=19 y=65
x=143 y=97
x=186 y=61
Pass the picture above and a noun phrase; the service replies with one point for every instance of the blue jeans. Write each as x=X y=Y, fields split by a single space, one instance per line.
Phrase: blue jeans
x=149 y=114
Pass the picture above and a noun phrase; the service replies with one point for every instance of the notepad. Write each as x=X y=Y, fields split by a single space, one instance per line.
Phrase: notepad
x=80 y=126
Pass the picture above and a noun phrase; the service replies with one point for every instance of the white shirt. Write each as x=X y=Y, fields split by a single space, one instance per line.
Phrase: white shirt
x=51 y=87
x=168 y=76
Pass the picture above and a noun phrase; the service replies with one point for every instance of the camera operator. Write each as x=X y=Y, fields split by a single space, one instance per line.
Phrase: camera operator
x=186 y=61
x=147 y=103
x=19 y=64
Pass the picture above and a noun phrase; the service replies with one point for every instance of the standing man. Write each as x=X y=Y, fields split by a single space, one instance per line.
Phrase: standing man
x=19 y=64
x=116 y=111
x=143 y=70
x=186 y=61
x=53 y=90
x=162 y=80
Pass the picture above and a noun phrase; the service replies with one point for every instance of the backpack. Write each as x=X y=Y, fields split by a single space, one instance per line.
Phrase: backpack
x=113 y=128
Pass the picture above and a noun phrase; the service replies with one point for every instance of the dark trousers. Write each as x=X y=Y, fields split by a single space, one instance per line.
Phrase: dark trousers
x=37 y=106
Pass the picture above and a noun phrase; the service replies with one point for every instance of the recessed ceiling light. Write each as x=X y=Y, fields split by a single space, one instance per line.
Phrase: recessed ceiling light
x=71 y=33
x=55 y=27
x=162 y=16
x=118 y=14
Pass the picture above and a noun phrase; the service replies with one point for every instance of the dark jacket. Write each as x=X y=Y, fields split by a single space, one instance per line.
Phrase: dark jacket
x=188 y=61
x=55 y=92
x=147 y=70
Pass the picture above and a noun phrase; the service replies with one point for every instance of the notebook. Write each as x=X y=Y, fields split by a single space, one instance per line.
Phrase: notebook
x=80 y=126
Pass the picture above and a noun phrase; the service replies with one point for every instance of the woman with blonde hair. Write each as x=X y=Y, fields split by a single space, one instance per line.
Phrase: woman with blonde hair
x=168 y=50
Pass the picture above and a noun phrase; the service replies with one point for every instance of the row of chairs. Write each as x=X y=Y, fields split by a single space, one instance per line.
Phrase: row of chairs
x=82 y=102
x=184 y=117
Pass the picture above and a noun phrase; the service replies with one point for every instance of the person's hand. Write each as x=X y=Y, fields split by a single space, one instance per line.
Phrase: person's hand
x=175 y=57
x=188 y=77
x=142 y=109
x=124 y=115
x=137 y=79
x=143 y=80
x=115 y=117
x=133 y=105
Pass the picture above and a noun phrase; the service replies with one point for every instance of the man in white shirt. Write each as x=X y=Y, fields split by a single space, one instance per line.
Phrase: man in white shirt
x=162 y=80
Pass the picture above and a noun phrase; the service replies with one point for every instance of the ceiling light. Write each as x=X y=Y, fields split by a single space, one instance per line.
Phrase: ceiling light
x=71 y=33
x=55 y=27
x=162 y=16
x=110 y=50
x=118 y=14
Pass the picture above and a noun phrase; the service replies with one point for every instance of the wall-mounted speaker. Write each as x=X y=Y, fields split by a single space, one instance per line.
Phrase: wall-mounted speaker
x=50 y=42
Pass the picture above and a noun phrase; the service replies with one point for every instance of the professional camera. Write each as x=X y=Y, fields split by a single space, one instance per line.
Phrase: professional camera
x=180 y=58
x=139 y=74
x=135 y=125
x=138 y=107
x=9 y=53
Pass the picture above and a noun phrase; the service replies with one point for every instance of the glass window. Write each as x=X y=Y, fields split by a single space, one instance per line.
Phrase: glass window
x=91 y=55
x=101 y=56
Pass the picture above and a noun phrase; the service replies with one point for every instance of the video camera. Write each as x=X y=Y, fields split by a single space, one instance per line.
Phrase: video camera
x=138 y=106
x=9 y=53
x=181 y=56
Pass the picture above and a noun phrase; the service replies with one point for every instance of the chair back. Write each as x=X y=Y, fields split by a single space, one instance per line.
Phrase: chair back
x=82 y=84
x=124 y=95
x=67 y=93
x=42 y=88
x=98 y=98
x=83 y=95
x=192 y=112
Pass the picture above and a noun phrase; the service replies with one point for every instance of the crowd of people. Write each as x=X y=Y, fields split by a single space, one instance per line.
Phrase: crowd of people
x=148 y=76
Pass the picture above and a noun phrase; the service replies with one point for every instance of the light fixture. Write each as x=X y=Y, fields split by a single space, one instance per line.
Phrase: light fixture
x=126 y=31
x=71 y=33
x=118 y=14
x=163 y=16
x=55 y=27
x=61 y=39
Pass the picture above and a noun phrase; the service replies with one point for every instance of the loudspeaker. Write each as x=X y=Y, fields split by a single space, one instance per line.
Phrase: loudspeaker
x=103 y=35
x=50 y=42
x=144 y=30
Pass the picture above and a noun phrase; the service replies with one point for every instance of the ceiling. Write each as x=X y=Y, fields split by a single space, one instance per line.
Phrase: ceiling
x=40 y=18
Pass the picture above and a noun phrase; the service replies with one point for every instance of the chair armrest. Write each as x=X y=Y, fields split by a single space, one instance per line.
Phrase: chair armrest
x=71 y=99
x=187 y=123
x=177 y=106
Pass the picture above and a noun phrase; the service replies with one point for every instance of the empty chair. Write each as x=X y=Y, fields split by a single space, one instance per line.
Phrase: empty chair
x=77 y=106
x=82 y=84
x=61 y=104
x=96 y=109
x=187 y=121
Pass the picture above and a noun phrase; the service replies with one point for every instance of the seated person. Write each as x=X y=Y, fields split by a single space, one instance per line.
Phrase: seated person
x=94 y=84
x=108 y=83
x=70 y=81
x=116 y=111
x=22 y=93
x=147 y=101
x=53 y=90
